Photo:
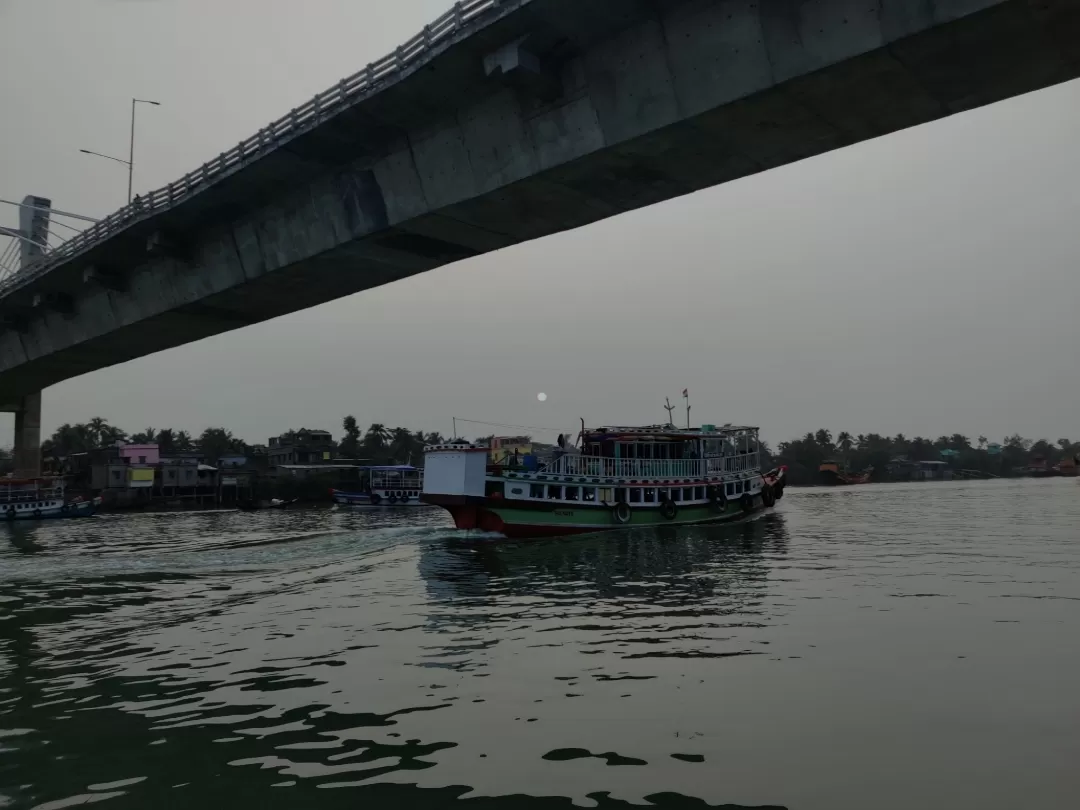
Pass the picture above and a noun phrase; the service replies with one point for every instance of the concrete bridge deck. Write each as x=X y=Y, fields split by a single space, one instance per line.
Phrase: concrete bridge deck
x=514 y=120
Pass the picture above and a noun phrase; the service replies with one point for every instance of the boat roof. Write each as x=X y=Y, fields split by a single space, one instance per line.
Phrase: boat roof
x=392 y=468
x=664 y=432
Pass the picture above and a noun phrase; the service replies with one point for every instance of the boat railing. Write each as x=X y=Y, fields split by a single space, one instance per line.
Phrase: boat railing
x=632 y=468
x=397 y=480
x=721 y=465
x=645 y=468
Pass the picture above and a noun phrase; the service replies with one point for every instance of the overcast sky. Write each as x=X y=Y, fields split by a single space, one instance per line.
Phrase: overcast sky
x=925 y=283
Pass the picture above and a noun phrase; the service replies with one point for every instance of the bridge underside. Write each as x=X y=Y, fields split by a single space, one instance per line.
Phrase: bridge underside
x=451 y=163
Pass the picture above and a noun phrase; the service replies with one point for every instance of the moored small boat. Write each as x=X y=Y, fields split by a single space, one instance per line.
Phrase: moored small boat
x=41 y=499
x=384 y=486
x=258 y=506
x=833 y=473
x=620 y=477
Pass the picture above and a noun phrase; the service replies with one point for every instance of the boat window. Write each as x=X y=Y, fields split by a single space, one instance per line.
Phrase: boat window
x=688 y=494
x=620 y=496
x=650 y=495
x=573 y=494
x=730 y=489
x=635 y=496
x=554 y=492
x=699 y=493
x=536 y=491
x=738 y=487
x=588 y=494
x=516 y=491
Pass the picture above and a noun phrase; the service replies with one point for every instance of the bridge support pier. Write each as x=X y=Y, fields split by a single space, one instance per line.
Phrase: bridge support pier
x=28 y=436
x=34 y=218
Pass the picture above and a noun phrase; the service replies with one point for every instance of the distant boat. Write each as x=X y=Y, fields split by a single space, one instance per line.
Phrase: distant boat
x=41 y=499
x=833 y=473
x=399 y=485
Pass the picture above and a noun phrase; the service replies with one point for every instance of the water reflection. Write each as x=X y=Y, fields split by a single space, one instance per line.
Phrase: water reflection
x=261 y=663
x=715 y=554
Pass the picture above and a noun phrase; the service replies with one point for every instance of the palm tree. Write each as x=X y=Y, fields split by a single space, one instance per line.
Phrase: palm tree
x=97 y=427
x=844 y=441
x=146 y=437
x=824 y=438
x=401 y=445
x=166 y=440
x=182 y=443
x=982 y=442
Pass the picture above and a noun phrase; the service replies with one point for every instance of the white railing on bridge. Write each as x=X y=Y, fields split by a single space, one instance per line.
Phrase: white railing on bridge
x=325 y=105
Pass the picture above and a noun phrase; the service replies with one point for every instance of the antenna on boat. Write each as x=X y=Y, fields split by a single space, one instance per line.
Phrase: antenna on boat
x=686 y=396
x=455 y=426
x=669 y=408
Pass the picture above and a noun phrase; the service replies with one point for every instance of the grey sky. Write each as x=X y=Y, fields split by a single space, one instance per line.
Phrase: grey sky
x=926 y=282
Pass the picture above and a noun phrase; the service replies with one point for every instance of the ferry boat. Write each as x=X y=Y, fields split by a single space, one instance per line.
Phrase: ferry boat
x=41 y=498
x=384 y=486
x=620 y=477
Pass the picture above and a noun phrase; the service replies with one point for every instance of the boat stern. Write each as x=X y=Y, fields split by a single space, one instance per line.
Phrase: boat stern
x=454 y=478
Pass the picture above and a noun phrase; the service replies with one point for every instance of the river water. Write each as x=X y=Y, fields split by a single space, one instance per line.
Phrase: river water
x=894 y=646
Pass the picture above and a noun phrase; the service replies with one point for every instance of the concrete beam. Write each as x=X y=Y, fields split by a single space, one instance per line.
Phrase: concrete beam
x=515 y=65
x=109 y=278
x=55 y=302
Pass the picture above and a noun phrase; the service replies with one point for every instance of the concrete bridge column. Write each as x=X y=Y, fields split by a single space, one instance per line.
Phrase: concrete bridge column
x=28 y=437
x=34 y=224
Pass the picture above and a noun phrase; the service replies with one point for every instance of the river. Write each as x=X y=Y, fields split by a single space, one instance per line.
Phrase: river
x=893 y=646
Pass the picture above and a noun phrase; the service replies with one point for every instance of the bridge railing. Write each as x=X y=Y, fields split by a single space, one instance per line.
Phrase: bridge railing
x=326 y=104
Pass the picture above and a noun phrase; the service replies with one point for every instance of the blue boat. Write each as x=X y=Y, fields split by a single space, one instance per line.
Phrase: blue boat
x=41 y=499
x=399 y=485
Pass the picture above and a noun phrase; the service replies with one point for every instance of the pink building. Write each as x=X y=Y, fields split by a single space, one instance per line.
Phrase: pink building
x=140 y=453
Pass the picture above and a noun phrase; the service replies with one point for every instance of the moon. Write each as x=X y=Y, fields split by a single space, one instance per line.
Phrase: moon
x=542 y=396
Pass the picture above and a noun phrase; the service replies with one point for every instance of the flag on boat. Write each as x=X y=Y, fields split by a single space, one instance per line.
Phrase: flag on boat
x=686 y=393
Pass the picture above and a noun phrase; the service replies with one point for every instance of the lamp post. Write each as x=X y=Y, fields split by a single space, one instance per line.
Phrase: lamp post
x=130 y=162
x=131 y=152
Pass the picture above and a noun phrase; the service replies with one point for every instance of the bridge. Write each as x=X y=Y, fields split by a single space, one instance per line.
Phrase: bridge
x=504 y=121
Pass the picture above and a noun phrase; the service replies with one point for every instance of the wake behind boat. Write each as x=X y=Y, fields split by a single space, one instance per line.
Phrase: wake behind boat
x=622 y=477
x=41 y=499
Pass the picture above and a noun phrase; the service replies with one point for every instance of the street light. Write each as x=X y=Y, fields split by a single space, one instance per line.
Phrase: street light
x=131 y=153
x=130 y=162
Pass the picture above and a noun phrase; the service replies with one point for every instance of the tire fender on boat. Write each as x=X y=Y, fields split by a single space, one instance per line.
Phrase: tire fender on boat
x=375 y=499
x=392 y=500
x=717 y=500
x=622 y=513
x=37 y=513
x=768 y=495
x=668 y=510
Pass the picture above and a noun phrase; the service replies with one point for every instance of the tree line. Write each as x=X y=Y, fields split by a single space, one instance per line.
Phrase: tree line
x=380 y=444
x=377 y=445
x=1008 y=457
